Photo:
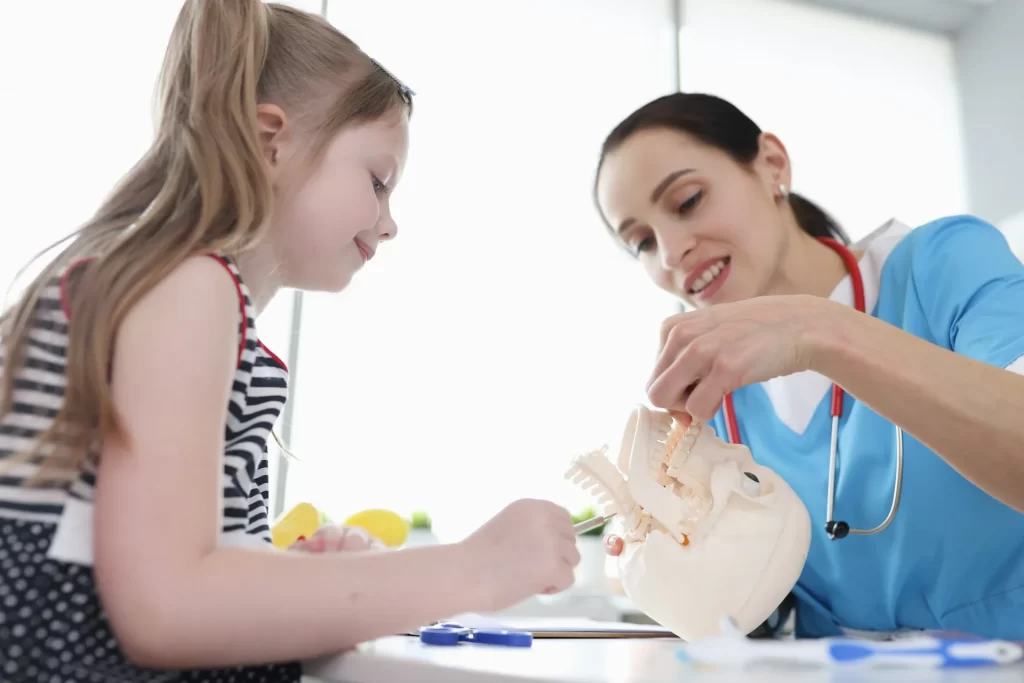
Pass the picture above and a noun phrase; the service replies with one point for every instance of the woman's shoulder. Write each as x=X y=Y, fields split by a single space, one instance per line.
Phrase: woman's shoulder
x=957 y=233
x=956 y=247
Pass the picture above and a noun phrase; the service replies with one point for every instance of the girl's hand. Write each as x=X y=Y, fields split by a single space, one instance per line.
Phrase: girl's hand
x=336 y=538
x=527 y=548
x=706 y=354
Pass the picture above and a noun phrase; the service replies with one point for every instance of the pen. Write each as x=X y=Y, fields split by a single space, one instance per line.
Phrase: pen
x=591 y=523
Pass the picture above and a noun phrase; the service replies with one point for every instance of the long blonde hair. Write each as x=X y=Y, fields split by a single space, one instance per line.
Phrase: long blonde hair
x=201 y=187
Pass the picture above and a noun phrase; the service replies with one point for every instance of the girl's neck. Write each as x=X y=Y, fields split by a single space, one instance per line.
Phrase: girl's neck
x=809 y=267
x=261 y=273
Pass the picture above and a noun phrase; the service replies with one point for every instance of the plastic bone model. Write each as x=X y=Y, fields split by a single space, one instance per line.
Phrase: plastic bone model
x=708 y=533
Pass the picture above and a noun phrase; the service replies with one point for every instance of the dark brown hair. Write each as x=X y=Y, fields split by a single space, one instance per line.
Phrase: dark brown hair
x=720 y=124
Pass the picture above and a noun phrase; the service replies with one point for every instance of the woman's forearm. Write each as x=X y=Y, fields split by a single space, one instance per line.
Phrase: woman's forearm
x=296 y=605
x=970 y=413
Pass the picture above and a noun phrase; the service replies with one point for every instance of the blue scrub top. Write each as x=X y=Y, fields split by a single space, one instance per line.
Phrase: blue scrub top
x=953 y=558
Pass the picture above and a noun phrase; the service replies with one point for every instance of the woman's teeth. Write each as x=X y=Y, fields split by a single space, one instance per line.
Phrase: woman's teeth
x=709 y=274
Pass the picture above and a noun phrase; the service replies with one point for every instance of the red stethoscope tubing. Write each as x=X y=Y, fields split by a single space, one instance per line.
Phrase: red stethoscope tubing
x=850 y=261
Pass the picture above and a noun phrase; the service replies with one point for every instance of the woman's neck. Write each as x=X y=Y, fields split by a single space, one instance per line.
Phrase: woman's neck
x=809 y=267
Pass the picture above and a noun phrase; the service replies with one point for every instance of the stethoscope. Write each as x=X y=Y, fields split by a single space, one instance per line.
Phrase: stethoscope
x=837 y=529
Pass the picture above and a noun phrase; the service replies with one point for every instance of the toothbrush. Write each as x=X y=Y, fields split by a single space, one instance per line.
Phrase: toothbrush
x=733 y=650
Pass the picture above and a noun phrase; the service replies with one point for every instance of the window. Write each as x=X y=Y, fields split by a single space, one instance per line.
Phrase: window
x=502 y=332
x=869 y=112
x=77 y=117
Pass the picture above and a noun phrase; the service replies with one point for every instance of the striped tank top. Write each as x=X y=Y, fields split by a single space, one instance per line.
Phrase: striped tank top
x=52 y=625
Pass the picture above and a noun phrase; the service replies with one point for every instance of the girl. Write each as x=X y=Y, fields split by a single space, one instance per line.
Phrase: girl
x=924 y=328
x=137 y=398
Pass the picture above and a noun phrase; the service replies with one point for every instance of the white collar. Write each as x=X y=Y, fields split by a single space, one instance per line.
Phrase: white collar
x=795 y=397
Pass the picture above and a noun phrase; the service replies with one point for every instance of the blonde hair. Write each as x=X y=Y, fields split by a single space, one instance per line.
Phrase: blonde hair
x=201 y=187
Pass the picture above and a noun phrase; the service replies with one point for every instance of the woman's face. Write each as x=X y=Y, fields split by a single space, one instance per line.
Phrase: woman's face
x=706 y=229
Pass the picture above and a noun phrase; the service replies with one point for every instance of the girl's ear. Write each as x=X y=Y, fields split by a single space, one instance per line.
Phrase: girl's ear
x=272 y=127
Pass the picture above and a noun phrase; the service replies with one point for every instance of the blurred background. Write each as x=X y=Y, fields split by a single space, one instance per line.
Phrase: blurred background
x=503 y=332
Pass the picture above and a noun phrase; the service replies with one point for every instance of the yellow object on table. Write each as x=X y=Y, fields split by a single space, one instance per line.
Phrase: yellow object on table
x=301 y=521
x=304 y=519
x=384 y=525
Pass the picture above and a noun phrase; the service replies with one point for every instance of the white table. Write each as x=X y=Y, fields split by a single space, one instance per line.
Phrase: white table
x=403 y=659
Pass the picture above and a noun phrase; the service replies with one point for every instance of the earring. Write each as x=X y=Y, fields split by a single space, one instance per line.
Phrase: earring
x=783 y=191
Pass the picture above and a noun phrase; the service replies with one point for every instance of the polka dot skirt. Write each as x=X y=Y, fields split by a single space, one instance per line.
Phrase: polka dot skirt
x=53 y=630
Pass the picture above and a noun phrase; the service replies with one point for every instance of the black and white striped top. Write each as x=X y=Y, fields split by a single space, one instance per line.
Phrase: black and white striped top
x=257 y=399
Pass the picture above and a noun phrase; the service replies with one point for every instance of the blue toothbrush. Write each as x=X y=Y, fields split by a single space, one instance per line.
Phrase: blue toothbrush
x=733 y=650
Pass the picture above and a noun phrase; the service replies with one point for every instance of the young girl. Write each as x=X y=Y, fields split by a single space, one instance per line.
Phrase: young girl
x=137 y=399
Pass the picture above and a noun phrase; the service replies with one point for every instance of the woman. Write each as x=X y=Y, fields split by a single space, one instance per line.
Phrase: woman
x=700 y=195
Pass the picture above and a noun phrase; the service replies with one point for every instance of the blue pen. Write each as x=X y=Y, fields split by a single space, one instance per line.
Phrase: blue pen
x=731 y=650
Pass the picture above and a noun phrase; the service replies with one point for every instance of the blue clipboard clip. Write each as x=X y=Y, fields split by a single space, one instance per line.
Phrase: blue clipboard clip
x=447 y=633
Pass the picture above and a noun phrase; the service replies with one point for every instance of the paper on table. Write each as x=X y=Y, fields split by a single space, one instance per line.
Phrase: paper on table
x=563 y=627
x=472 y=620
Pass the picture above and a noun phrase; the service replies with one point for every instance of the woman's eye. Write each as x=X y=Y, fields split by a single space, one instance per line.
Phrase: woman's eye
x=642 y=246
x=691 y=203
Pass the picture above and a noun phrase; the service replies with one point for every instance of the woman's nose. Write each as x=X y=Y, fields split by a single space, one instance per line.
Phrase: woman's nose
x=675 y=245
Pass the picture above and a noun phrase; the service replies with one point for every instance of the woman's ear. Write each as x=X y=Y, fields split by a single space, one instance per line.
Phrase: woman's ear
x=773 y=162
x=272 y=126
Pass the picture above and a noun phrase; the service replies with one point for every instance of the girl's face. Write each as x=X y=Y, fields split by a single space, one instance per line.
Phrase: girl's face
x=328 y=223
x=705 y=228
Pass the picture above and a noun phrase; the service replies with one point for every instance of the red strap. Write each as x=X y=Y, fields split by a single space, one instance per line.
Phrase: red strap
x=241 y=305
x=852 y=267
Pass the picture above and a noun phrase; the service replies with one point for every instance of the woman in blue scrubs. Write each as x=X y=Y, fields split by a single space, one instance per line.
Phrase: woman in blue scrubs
x=701 y=196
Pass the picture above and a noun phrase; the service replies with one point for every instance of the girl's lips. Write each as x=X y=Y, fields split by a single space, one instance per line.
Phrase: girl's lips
x=364 y=250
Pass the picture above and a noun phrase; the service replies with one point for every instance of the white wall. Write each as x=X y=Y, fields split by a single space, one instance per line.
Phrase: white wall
x=502 y=332
x=990 y=53
x=1013 y=226
x=869 y=112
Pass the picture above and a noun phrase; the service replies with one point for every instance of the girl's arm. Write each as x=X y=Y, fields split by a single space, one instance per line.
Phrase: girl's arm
x=176 y=600
x=970 y=413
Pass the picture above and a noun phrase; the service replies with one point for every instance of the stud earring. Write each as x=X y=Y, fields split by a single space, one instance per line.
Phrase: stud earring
x=783 y=191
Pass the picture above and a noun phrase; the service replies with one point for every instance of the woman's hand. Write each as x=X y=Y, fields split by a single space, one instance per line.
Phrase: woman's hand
x=706 y=354
x=333 y=538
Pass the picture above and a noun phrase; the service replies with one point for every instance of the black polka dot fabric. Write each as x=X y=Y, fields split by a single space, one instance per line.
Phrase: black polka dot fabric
x=53 y=630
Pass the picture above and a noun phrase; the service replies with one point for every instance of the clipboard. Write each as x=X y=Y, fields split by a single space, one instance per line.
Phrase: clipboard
x=556 y=628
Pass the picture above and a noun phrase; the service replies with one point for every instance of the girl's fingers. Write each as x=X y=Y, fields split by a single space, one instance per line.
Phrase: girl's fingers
x=331 y=539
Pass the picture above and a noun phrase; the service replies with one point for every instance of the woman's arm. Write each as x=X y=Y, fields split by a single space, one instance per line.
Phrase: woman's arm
x=970 y=413
x=176 y=600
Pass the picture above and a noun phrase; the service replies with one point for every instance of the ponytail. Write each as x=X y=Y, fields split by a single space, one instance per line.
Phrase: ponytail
x=202 y=186
x=813 y=220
